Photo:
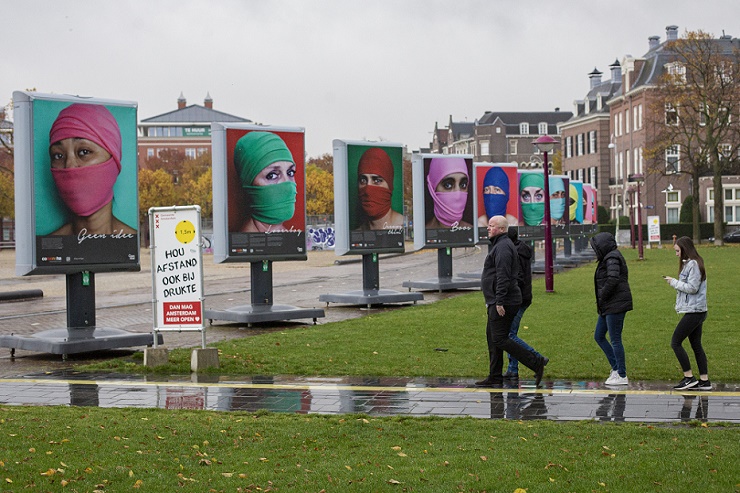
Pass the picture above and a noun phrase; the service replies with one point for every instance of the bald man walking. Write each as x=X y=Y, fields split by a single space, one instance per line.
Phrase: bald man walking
x=503 y=299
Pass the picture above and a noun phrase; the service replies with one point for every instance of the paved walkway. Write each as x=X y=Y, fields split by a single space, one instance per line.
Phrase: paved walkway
x=557 y=400
x=124 y=301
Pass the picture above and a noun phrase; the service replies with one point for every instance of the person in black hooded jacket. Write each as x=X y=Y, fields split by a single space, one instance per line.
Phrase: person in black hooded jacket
x=525 y=254
x=613 y=301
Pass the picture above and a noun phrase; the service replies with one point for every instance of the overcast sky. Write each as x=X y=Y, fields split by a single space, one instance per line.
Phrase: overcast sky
x=370 y=69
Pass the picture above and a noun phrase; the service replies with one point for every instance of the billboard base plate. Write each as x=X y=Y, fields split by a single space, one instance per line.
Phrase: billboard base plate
x=73 y=340
x=443 y=284
x=250 y=314
x=369 y=297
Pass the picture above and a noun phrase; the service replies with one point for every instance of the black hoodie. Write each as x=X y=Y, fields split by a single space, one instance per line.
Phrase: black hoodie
x=525 y=265
x=611 y=279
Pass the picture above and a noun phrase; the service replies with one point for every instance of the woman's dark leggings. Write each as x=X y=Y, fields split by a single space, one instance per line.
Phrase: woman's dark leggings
x=690 y=326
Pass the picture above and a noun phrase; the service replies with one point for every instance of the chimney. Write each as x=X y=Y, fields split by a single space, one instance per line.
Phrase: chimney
x=181 y=102
x=653 y=42
x=208 y=102
x=616 y=71
x=595 y=78
x=671 y=33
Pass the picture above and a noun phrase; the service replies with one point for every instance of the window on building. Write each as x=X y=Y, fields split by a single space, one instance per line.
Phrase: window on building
x=634 y=118
x=621 y=166
x=671 y=114
x=616 y=125
x=513 y=144
x=484 y=150
x=619 y=123
x=190 y=153
x=626 y=121
x=149 y=153
x=542 y=128
x=498 y=130
x=672 y=161
x=676 y=70
x=593 y=177
x=628 y=162
x=524 y=128
x=569 y=146
x=592 y=142
x=672 y=197
x=671 y=215
x=639 y=113
x=202 y=150
x=710 y=214
x=579 y=145
x=702 y=114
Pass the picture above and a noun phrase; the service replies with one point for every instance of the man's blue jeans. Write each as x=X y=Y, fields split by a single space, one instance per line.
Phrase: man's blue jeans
x=612 y=323
x=513 y=368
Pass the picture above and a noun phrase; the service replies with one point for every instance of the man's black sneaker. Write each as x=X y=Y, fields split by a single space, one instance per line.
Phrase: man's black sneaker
x=704 y=385
x=686 y=383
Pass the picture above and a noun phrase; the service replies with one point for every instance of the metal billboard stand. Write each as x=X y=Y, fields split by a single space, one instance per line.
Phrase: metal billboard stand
x=445 y=281
x=81 y=334
x=262 y=308
x=371 y=293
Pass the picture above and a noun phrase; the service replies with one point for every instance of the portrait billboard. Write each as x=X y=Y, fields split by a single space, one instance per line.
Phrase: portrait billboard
x=368 y=197
x=443 y=201
x=589 y=205
x=76 y=193
x=259 y=193
x=496 y=194
x=531 y=204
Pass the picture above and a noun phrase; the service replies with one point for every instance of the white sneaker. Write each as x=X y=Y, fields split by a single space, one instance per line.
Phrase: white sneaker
x=612 y=375
x=617 y=380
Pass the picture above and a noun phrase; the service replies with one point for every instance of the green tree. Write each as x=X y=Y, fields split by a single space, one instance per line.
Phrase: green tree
x=199 y=191
x=155 y=190
x=603 y=215
x=696 y=105
x=319 y=191
x=687 y=210
x=324 y=162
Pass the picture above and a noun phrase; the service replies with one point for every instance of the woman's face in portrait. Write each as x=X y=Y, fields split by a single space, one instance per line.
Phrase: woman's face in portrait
x=532 y=194
x=454 y=182
x=372 y=180
x=560 y=194
x=76 y=153
x=277 y=172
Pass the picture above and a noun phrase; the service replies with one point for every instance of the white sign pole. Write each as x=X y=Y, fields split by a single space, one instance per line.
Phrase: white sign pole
x=177 y=269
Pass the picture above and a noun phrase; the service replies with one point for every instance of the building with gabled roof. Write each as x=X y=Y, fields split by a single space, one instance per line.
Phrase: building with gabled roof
x=186 y=130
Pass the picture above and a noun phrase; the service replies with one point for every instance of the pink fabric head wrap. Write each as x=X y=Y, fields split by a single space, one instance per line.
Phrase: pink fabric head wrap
x=87 y=189
x=448 y=206
x=92 y=122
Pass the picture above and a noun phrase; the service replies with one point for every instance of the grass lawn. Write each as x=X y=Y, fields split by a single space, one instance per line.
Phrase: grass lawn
x=73 y=449
x=402 y=341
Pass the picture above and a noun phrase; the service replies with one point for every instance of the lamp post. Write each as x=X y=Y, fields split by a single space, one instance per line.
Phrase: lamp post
x=639 y=178
x=546 y=144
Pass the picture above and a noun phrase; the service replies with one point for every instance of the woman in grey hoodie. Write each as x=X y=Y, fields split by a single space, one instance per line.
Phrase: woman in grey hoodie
x=691 y=300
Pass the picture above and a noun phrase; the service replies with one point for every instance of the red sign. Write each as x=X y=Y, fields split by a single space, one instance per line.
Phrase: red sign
x=181 y=312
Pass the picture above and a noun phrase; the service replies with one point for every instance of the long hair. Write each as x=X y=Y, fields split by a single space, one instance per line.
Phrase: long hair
x=688 y=252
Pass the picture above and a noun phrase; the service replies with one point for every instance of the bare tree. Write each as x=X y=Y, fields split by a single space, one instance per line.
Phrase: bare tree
x=695 y=109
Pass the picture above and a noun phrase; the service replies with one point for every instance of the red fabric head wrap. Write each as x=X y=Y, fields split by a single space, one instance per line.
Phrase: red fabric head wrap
x=375 y=161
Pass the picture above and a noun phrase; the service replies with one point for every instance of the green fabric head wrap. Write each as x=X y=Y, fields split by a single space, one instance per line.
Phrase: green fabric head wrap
x=533 y=212
x=255 y=151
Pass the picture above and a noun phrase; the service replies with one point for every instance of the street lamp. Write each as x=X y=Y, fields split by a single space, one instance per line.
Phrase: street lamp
x=546 y=144
x=638 y=178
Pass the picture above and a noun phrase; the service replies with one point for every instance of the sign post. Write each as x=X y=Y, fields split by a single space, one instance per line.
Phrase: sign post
x=177 y=269
x=653 y=229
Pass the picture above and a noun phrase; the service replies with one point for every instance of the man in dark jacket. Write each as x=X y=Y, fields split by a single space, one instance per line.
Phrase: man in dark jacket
x=500 y=286
x=524 y=255
x=613 y=301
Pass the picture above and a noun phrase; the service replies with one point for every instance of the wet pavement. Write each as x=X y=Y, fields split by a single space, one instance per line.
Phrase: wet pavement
x=124 y=301
x=417 y=397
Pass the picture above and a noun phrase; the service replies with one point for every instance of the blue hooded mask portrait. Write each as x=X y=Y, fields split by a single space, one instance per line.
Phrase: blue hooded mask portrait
x=495 y=192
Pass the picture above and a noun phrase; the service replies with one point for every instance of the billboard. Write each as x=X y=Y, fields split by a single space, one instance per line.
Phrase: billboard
x=259 y=193
x=589 y=204
x=75 y=184
x=443 y=201
x=496 y=186
x=368 y=197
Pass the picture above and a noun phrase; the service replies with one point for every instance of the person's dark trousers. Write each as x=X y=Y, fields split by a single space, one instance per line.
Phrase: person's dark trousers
x=497 y=335
x=690 y=326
